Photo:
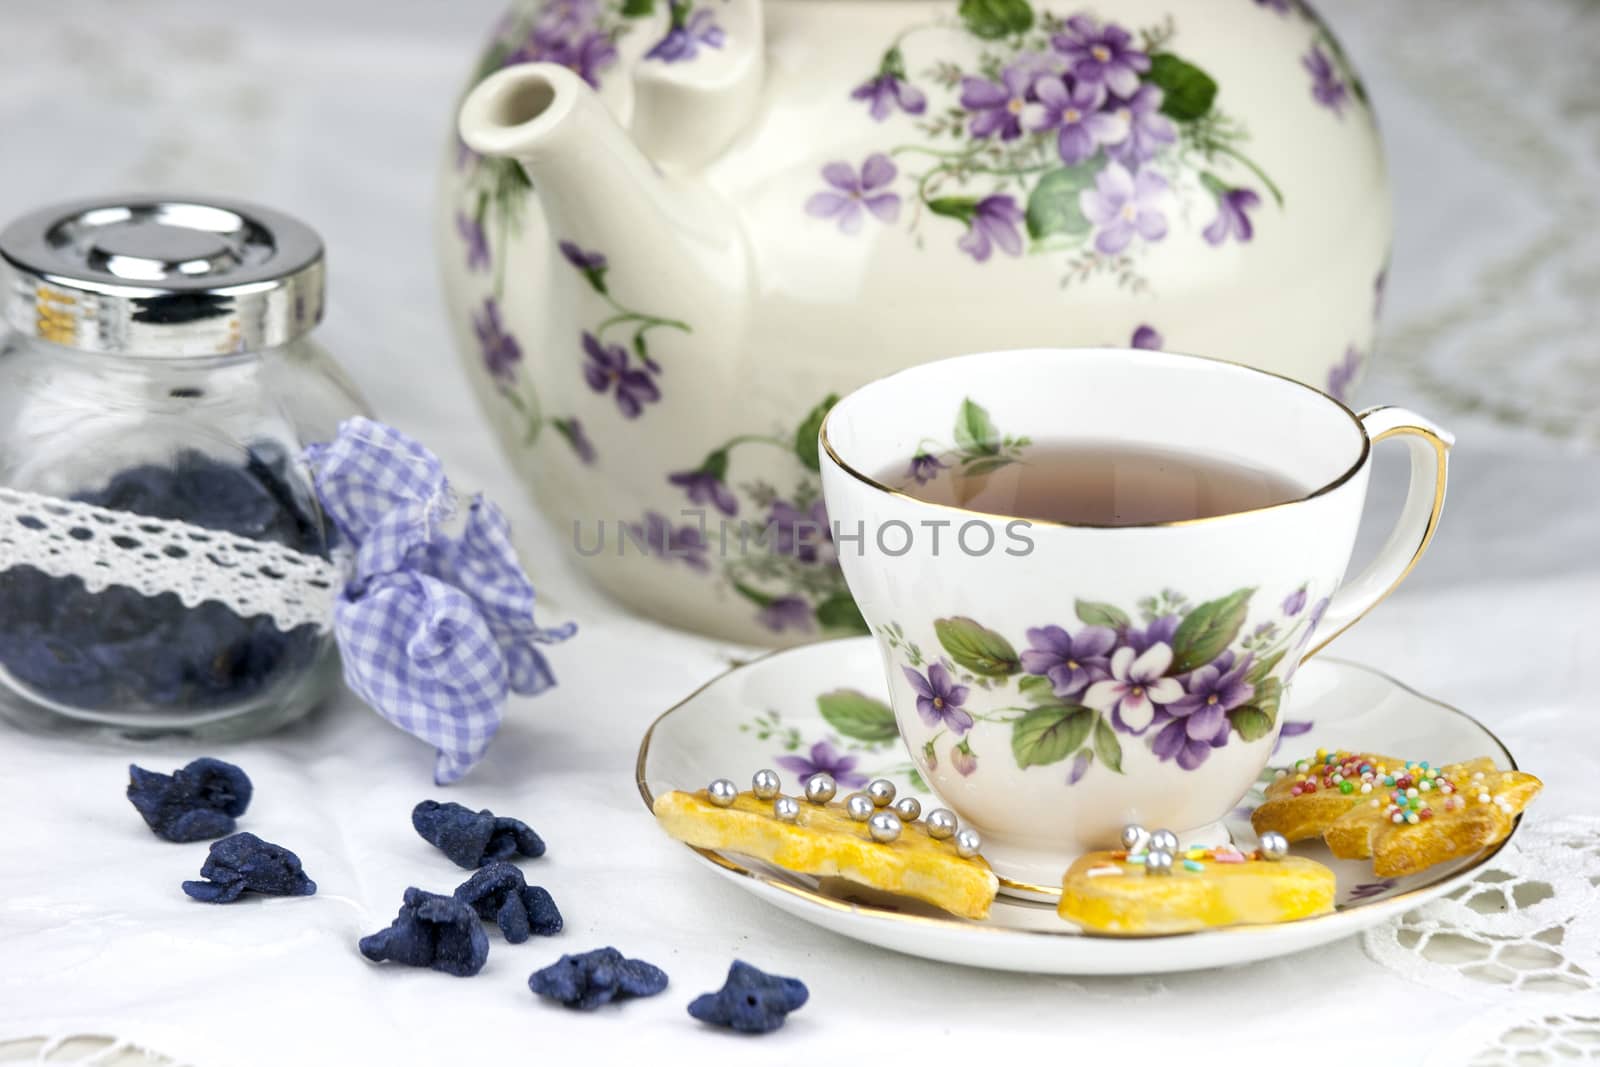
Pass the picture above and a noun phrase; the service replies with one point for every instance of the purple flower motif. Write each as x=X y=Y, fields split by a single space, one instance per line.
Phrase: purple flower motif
x=805 y=535
x=1295 y=602
x=1159 y=632
x=705 y=484
x=1327 y=88
x=501 y=353
x=687 y=543
x=1071 y=663
x=939 y=698
x=1148 y=129
x=1317 y=610
x=888 y=89
x=855 y=192
x=607 y=371
x=1082 y=127
x=1039 y=64
x=995 y=221
x=1136 y=687
x=1122 y=204
x=963 y=759
x=1146 y=336
x=688 y=33
x=1080 y=767
x=1371 y=889
x=825 y=759
x=1291 y=728
x=925 y=466
x=1199 y=719
x=584 y=261
x=567 y=32
x=1102 y=55
x=477 y=242
x=997 y=106
x=1379 y=284
x=1232 y=219
x=573 y=431
x=1343 y=374
x=786 y=613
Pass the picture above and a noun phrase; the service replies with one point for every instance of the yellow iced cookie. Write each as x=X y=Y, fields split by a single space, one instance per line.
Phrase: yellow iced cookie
x=1405 y=816
x=824 y=841
x=1107 y=893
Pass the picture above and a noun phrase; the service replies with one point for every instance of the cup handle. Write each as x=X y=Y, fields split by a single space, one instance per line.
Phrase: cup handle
x=1419 y=517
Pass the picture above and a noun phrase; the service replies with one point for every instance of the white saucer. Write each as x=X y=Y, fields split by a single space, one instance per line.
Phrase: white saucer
x=759 y=713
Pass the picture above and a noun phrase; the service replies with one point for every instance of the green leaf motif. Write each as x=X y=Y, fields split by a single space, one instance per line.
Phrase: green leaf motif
x=805 y=438
x=1269 y=697
x=854 y=714
x=954 y=207
x=1189 y=91
x=640 y=347
x=1250 y=721
x=1048 y=735
x=978 y=649
x=634 y=9
x=1208 y=630
x=975 y=433
x=987 y=465
x=1263 y=667
x=1108 y=615
x=1053 y=205
x=994 y=19
x=1106 y=745
x=1035 y=689
x=839 y=612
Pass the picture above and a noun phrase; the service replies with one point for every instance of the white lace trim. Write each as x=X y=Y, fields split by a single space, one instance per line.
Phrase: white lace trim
x=1522 y=937
x=65 y=538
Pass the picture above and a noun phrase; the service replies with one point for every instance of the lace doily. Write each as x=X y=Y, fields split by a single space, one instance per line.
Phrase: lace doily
x=102 y=547
x=78 y=1052
x=1523 y=935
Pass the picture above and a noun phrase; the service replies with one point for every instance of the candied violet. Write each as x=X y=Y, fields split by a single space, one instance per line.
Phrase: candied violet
x=120 y=648
x=750 y=1001
x=499 y=894
x=196 y=802
x=589 y=979
x=474 y=838
x=431 y=930
x=243 y=863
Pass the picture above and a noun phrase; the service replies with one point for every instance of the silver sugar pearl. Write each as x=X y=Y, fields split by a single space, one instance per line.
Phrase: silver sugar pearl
x=908 y=808
x=1135 y=837
x=1158 y=861
x=1164 y=840
x=765 y=784
x=1273 y=845
x=881 y=790
x=968 y=842
x=859 y=806
x=884 y=826
x=941 y=824
x=722 y=792
x=820 y=788
x=786 y=809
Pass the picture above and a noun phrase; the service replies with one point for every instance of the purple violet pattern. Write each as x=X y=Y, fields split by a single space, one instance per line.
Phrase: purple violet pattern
x=1080 y=767
x=501 y=353
x=1122 y=205
x=963 y=759
x=607 y=371
x=1343 y=374
x=939 y=698
x=477 y=242
x=1137 y=687
x=786 y=613
x=1327 y=88
x=569 y=32
x=1197 y=722
x=805 y=535
x=1076 y=116
x=996 y=220
x=706 y=487
x=886 y=91
x=1070 y=663
x=1280 y=6
x=1295 y=602
x=1149 y=131
x=1233 y=219
x=582 y=260
x=1102 y=55
x=997 y=106
x=825 y=759
x=689 y=31
x=663 y=541
x=925 y=466
x=577 y=437
x=1146 y=336
x=853 y=191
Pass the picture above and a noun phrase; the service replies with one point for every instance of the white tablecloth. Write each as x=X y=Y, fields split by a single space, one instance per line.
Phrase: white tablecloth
x=336 y=113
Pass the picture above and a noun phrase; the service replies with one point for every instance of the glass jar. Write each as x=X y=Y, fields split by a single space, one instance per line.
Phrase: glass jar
x=157 y=364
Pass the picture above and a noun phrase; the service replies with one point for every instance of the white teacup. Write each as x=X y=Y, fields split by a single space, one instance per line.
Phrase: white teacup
x=1056 y=682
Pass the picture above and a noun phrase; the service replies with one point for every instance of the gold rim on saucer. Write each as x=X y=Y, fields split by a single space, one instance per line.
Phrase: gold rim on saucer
x=887 y=915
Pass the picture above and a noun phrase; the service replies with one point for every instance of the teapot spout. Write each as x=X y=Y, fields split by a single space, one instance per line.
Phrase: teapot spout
x=598 y=190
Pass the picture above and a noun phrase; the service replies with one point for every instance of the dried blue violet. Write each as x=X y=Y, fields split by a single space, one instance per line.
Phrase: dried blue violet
x=590 y=979
x=243 y=863
x=431 y=930
x=750 y=1001
x=473 y=838
x=196 y=802
x=499 y=894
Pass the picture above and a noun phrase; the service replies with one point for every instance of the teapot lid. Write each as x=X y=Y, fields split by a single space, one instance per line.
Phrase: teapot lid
x=161 y=276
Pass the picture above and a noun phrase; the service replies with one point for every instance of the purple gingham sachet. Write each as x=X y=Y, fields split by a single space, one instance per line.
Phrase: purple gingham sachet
x=434 y=628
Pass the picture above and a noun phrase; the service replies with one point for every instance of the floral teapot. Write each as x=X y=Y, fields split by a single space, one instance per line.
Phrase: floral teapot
x=675 y=230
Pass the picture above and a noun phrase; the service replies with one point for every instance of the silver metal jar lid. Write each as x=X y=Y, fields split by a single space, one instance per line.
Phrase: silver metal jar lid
x=160 y=276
